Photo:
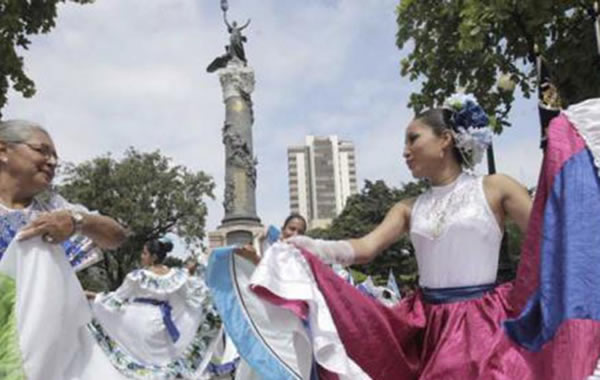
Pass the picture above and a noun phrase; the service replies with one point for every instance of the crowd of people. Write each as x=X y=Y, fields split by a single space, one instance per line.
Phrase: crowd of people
x=285 y=301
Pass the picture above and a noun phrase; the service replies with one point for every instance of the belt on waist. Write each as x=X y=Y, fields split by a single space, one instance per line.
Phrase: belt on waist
x=165 y=310
x=449 y=295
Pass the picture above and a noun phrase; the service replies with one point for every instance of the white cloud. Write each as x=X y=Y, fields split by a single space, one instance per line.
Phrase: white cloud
x=117 y=73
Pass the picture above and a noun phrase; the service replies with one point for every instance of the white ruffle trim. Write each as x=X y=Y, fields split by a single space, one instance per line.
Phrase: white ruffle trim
x=585 y=117
x=194 y=290
x=160 y=284
x=284 y=271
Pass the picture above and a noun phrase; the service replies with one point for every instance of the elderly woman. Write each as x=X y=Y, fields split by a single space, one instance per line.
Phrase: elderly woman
x=28 y=161
x=43 y=311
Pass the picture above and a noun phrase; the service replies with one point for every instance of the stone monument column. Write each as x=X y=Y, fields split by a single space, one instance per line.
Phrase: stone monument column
x=237 y=83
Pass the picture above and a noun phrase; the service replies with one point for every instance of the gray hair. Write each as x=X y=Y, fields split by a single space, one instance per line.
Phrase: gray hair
x=18 y=131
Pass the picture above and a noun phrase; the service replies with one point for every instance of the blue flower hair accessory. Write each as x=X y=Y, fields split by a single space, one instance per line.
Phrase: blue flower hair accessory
x=471 y=127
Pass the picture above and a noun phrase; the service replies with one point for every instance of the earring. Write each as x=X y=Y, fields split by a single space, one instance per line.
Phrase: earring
x=4 y=159
x=441 y=154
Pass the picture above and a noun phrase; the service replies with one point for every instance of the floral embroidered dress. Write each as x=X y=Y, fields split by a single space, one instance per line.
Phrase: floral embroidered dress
x=43 y=310
x=156 y=326
x=80 y=250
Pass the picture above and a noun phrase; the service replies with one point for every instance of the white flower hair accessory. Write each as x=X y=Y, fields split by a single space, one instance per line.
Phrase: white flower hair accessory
x=470 y=127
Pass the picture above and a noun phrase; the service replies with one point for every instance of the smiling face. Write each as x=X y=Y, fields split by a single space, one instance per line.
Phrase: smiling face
x=33 y=162
x=293 y=227
x=424 y=151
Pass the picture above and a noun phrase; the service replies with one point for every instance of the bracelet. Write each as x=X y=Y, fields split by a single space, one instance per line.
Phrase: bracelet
x=77 y=220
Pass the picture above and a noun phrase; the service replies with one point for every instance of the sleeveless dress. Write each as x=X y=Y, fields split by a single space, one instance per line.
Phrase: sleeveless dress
x=460 y=324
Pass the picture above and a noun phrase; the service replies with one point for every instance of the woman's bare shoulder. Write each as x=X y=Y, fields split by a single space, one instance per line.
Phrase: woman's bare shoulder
x=404 y=206
x=501 y=181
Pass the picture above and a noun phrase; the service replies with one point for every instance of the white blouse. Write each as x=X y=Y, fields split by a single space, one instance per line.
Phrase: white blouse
x=456 y=235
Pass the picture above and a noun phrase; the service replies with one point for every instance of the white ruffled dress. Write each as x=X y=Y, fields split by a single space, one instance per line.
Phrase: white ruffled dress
x=135 y=336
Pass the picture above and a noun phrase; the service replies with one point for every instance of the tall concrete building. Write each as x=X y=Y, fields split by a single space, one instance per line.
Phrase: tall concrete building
x=322 y=175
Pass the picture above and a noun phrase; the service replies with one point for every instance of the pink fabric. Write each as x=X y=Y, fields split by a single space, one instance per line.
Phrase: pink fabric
x=563 y=143
x=572 y=354
x=461 y=340
x=300 y=308
x=325 y=374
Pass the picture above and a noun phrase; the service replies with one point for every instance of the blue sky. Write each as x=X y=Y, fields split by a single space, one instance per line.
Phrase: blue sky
x=115 y=74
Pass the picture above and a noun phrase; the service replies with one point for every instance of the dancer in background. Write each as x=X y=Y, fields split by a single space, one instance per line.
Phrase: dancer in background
x=293 y=225
x=242 y=311
x=155 y=325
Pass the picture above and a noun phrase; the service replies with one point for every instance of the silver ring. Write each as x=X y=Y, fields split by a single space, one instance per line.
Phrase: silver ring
x=47 y=238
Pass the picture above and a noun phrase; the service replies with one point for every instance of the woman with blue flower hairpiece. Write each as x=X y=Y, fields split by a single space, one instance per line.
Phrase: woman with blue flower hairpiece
x=157 y=324
x=445 y=330
x=460 y=324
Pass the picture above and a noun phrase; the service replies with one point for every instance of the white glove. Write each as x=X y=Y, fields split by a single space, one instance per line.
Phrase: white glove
x=329 y=251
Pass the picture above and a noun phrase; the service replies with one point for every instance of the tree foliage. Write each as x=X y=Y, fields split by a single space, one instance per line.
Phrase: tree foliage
x=470 y=43
x=20 y=19
x=363 y=212
x=145 y=193
x=173 y=262
x=510 y=253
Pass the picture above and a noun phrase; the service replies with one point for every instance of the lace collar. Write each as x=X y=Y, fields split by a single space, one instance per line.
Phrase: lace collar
x=442 y=190
x=166 y=283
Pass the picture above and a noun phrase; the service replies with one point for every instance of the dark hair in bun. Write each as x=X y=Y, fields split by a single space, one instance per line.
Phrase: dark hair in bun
x=159 y=248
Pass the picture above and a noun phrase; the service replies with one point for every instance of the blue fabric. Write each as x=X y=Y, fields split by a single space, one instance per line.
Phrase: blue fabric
x=165 y=309
x=364 y=290
x=273 y=234
x=75 y=251
x=314 y=370
x=220 y=278
x=392 y=284
x=222 y=369
x=449 y=295
x=12 y=222
x=569 y=258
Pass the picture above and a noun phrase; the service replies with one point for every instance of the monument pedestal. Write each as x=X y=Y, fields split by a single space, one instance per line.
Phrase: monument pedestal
x=238 y=234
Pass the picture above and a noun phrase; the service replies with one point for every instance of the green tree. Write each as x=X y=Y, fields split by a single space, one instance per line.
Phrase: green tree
x=470 y=43
x=363 y=212
x=20 y=19
x=148 y=195
x=173 y=262
x=511 y=254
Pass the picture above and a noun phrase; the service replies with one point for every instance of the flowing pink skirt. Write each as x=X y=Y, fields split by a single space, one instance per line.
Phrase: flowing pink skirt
x=460 y=340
